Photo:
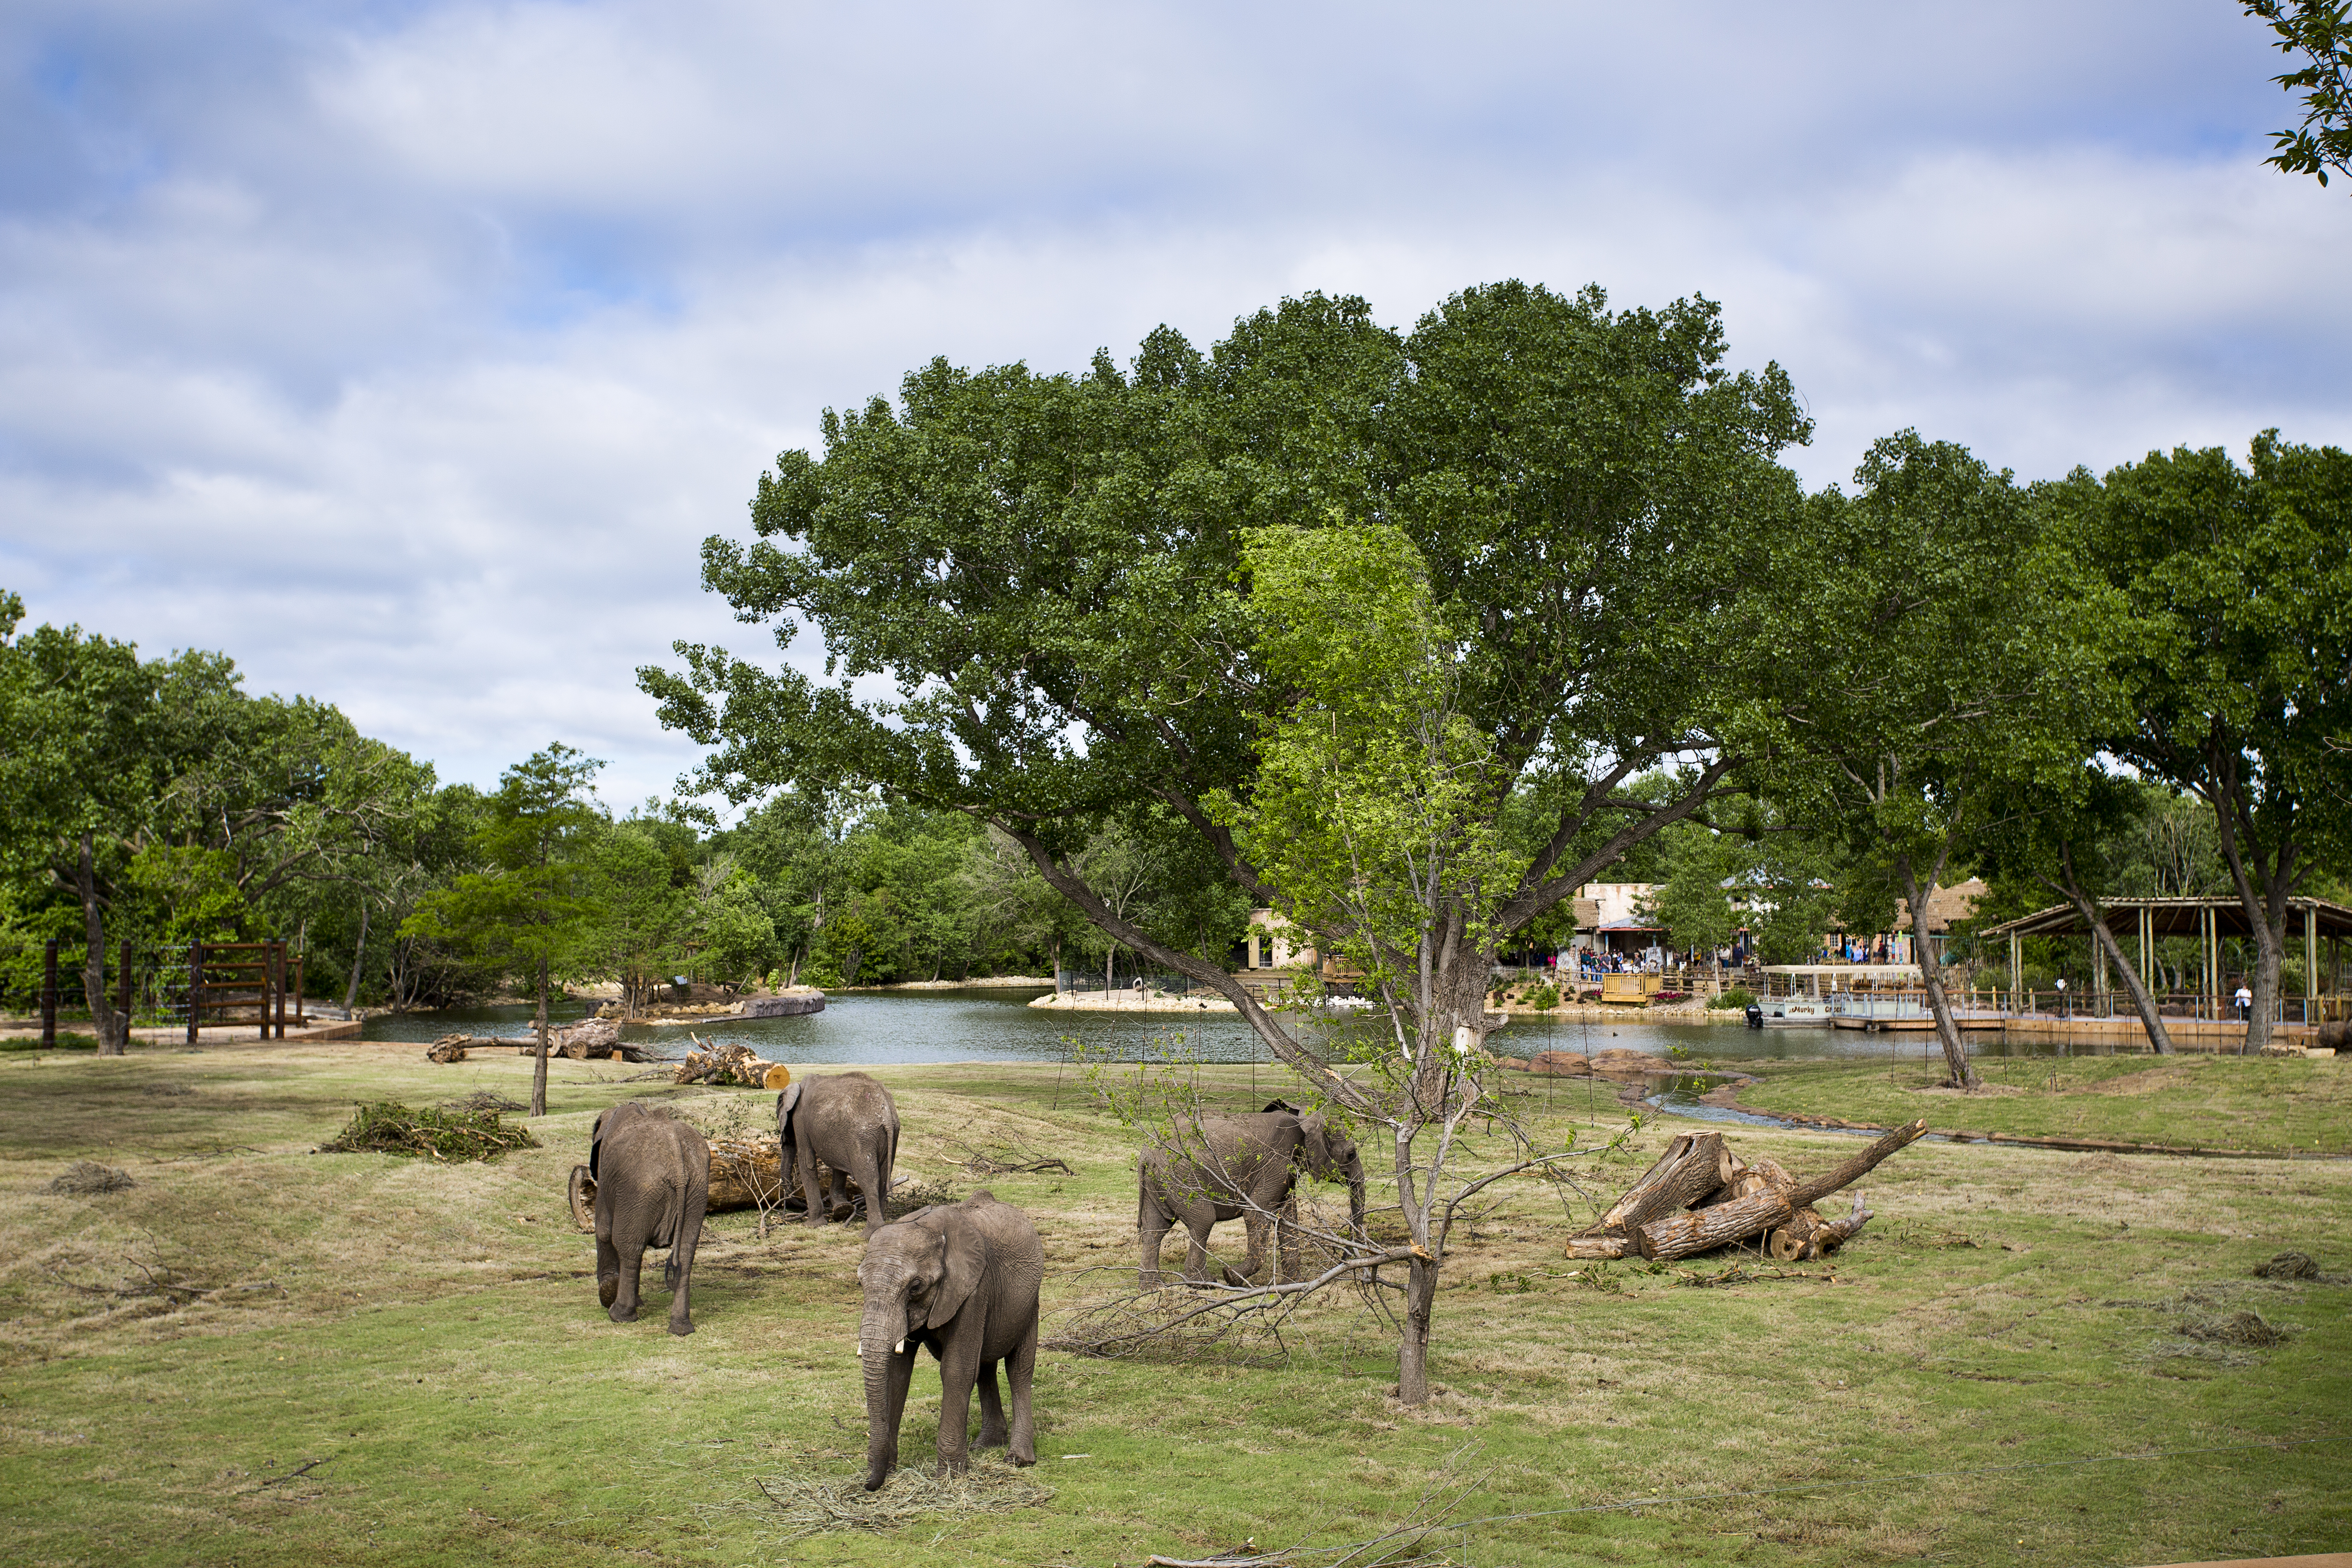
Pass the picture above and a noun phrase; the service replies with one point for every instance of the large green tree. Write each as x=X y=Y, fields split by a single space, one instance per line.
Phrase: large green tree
x=81 y=766
x=530 y=908
x=1039 y=564
x=1947 y=645
x=2232 y=653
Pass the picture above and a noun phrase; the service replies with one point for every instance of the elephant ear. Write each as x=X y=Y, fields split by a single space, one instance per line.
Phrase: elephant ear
x=596 y=1142
x=784 y=1103
x=1314 y=1145
x=967 y=1260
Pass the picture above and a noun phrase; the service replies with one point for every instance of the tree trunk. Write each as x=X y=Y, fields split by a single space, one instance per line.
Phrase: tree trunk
x=539 y=1067
x=1681 y=1235
x=1694 y=1165
x=359 y=956
x=1412 y=1346
x=2069 y=887
x=113 y=1033
x=1814 y=1189
x=1947 y=1033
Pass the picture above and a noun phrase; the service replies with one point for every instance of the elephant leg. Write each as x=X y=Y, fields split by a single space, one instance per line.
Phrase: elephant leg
x=1254 y=1231
x=959 y=1368
x=1196 y=1256
x=991 y=1409
x=608 y=1266
x=874 y=1180
x=624 y=1302
x=689 y=1236
x=804 y=1164
x=1286 y=1242
x=1153 y=1227
x=836 y=1196
x=1020 y=1367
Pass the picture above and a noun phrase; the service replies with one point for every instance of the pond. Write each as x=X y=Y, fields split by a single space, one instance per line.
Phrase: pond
x=998 y=1026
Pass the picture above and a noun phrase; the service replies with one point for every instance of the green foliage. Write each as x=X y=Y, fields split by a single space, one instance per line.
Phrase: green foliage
x=530 y=908
x=1694 y=905
x=1543 y=998
x=1732 y=999
x=388 y=1127
x=2320 y=31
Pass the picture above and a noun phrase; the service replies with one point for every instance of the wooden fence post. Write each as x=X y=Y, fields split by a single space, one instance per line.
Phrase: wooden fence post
x=195 y=989
x=49 y=993
x=278 y=983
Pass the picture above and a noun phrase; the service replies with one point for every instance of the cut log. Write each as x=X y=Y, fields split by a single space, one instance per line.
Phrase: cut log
x=726 y=1064
x=745 y=1173
x=593 y=1040
x=1682 y=1234
x=1598 y=1247
x=1694 y=1165
x=446 y=1049
x=1814 y=1189
x=1831 y=1234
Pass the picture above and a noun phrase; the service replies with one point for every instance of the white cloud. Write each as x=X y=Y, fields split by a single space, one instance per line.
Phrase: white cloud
x=409 y=361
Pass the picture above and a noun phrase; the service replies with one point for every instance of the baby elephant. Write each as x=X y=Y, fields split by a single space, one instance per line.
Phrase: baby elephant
x=653 y=1183
x=849 y=1122
x=963 y=1279
x=1245 y=1168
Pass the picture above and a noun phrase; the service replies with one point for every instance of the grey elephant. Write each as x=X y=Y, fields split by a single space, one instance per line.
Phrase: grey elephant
x=653 y=1183
x=850 y=1123
x=1239 y=1167
x=961 y=1278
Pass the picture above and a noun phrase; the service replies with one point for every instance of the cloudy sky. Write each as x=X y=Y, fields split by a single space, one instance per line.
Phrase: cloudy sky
x=406 y=352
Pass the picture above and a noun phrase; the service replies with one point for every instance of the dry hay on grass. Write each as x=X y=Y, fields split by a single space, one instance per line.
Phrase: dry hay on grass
x=85 y=1177
x=806 y=1506
x=481 y=1100
x=2243 y=1327
x=388 y=1127
x=2288 y=1265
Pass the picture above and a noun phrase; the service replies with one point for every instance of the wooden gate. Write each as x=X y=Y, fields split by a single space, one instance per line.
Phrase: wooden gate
x=226 y=974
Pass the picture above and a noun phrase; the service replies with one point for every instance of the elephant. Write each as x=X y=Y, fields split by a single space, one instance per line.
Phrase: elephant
x=849 y=1122
x=961 y=1278
x=653 y=1185
x=1241 y=1167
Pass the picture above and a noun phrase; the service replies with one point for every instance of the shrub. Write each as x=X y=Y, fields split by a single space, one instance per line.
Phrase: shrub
x=1543 y=997
x=388 y=1127
x=1735 y=1000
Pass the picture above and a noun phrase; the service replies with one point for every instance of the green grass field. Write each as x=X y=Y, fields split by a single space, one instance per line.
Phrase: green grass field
x=2271 y=1104
x=429 y=1335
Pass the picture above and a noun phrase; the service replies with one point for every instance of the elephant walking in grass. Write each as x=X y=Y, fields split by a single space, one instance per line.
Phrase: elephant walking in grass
x=850 y=1123
x=1245 y=1168
x=961 y=1278
x=653 y=1183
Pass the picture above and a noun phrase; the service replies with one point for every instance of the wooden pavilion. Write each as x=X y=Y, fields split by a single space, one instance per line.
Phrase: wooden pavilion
x=2210 y=919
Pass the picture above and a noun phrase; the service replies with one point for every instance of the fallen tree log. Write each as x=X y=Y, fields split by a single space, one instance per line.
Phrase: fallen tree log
x=1695 y=1165
x=745 y=1173
x=1699 y=1196
x=560 y=1043
x=1703 y=1230
x=1813 y=1190
x=732 y=1063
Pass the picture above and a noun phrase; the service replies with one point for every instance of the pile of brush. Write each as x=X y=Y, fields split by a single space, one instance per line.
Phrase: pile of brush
x=1700 y=1195
x=388 y=1127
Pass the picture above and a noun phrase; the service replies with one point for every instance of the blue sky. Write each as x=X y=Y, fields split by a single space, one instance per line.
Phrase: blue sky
x=407 y=353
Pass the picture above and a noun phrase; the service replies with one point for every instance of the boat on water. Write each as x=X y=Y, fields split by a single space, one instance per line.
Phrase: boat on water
x=1873 y=1015
x=1780 y=1012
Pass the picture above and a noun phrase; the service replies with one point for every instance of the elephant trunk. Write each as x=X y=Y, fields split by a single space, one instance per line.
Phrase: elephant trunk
x=1355 y=1170
x=881 y=1344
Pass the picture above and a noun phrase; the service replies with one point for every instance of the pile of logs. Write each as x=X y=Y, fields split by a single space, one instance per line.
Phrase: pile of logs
x=595 y=1040
x=1699 y=1196
x=732 y=1063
